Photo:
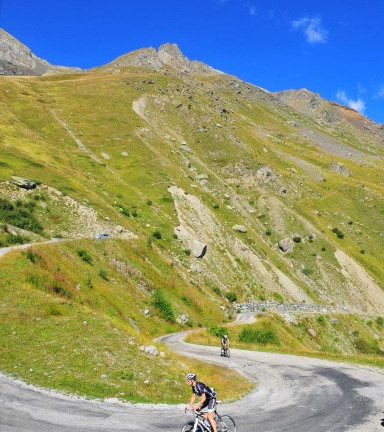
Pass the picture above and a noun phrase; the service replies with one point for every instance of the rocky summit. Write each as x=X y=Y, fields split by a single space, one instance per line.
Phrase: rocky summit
x=18 y=59
x=168 y=56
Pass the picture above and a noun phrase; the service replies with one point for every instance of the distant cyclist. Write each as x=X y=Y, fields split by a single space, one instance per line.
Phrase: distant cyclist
x=224 y=344
x=207 y=398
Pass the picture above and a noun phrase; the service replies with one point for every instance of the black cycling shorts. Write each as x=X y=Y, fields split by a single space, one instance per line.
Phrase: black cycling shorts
x=210 y=403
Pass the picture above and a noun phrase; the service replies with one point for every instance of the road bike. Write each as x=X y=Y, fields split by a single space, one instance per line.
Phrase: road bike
x=225 y=352
x=224 y=423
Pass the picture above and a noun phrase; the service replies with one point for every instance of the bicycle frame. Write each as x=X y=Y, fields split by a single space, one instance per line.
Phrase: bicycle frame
x=199 y=421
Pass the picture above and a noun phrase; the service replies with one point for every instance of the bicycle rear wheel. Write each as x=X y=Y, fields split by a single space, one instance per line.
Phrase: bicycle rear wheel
x=226 y=424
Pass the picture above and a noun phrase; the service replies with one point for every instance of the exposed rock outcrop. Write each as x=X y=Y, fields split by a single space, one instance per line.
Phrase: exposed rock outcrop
x=168 y=56
x=17 y=59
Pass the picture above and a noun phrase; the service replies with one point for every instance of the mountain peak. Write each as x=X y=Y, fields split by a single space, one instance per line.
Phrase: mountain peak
x=17 y=59
x=168 y=56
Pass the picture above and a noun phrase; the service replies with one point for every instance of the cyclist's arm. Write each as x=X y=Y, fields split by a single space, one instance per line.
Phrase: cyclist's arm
x=191 y=401
x=202 y=400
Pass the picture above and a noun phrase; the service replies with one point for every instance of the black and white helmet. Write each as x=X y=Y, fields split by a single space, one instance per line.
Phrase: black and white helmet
x=225 y=337
x=191 y=376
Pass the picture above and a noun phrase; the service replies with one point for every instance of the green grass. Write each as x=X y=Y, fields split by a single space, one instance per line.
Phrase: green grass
x=113 y=281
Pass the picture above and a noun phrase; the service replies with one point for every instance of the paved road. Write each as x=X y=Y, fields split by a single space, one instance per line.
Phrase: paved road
x=5 y=250
x=293 y=394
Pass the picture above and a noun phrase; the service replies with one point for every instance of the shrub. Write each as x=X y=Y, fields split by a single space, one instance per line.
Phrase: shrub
x=134 y=213
x=103 y=274
x=278 y=297
x=187 y=300
x=379 y=321
x=268 y=232
x=149 y=202
x=366 y=348
x=218 y=331
x=157 y=234
x=84 y=255
x=258 y=336
x=189 y=323
x=338 y=232
x=19 y=217
x=32 y=256
x=125 y=375
x=362 y=251
x=217 y=290
x=231 y=296
x=162 y=305
x=53 y=310
x=16 y=239
x=307 y=272
x=321 y=319
x=187 y=252
x=215 y=206
x=297 y=239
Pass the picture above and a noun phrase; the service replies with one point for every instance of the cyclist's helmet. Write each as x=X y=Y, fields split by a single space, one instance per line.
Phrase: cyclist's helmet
x=225 y=337
x=191 y=376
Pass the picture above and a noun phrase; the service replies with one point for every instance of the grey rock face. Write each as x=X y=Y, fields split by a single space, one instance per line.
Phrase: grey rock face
x=18 y=59
x=23 y=183
x=240 y=228
x=151 y=350
x=168 y=56
x=339 y=168
x=198 y=248
x=286 y=245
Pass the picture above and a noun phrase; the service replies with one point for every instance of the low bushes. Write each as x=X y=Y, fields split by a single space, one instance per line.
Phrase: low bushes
x=261 y=336
x=163 y=306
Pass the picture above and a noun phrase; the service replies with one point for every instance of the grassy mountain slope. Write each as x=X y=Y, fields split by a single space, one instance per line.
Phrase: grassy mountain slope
x=159 y=159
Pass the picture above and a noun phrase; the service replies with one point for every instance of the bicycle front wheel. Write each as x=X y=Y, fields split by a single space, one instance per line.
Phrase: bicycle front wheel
x=226 y=424
x=228 y=353
x=188 y=427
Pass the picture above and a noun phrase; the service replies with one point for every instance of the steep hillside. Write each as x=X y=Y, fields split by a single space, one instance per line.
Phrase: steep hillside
x=18 y=59
x=242 y=196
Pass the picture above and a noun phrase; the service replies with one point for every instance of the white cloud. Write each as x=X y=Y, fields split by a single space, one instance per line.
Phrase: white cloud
x=252 y=10
x=380 y=93
x=358 y=105
x=312 y=29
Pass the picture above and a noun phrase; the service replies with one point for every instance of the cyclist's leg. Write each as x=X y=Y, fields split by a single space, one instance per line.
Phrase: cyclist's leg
x=211 y=410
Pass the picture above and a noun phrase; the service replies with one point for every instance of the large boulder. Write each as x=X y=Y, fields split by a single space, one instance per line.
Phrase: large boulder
x=198 y=248
x=339 y=168
x=23 y=182
x=286 y=245
x=240 y=228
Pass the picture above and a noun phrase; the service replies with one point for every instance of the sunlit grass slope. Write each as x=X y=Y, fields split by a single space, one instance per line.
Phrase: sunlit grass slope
x=73 y=319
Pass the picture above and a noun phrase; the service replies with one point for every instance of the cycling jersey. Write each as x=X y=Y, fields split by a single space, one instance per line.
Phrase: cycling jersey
x=201 y=388
x=224 y=342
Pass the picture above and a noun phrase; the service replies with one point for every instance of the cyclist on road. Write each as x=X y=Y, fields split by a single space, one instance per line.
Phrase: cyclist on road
x=207 y=398
x=224 y=344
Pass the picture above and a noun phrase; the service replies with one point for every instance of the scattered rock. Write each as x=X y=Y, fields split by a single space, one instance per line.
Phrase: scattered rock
x=311 y=332
x=23 y=183
x=198 y=248
x=339 y=168
x=151 y=350
x=240 y=228
x=106 y=156
x=286 y=245
x=185 y=148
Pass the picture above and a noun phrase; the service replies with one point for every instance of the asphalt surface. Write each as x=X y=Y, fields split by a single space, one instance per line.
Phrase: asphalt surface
x=293 y=394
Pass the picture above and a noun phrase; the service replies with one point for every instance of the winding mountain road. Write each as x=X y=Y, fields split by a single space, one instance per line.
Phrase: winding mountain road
x=293 y=394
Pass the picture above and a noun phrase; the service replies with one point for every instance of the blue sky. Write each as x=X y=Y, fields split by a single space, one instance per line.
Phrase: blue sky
x=333 y=47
